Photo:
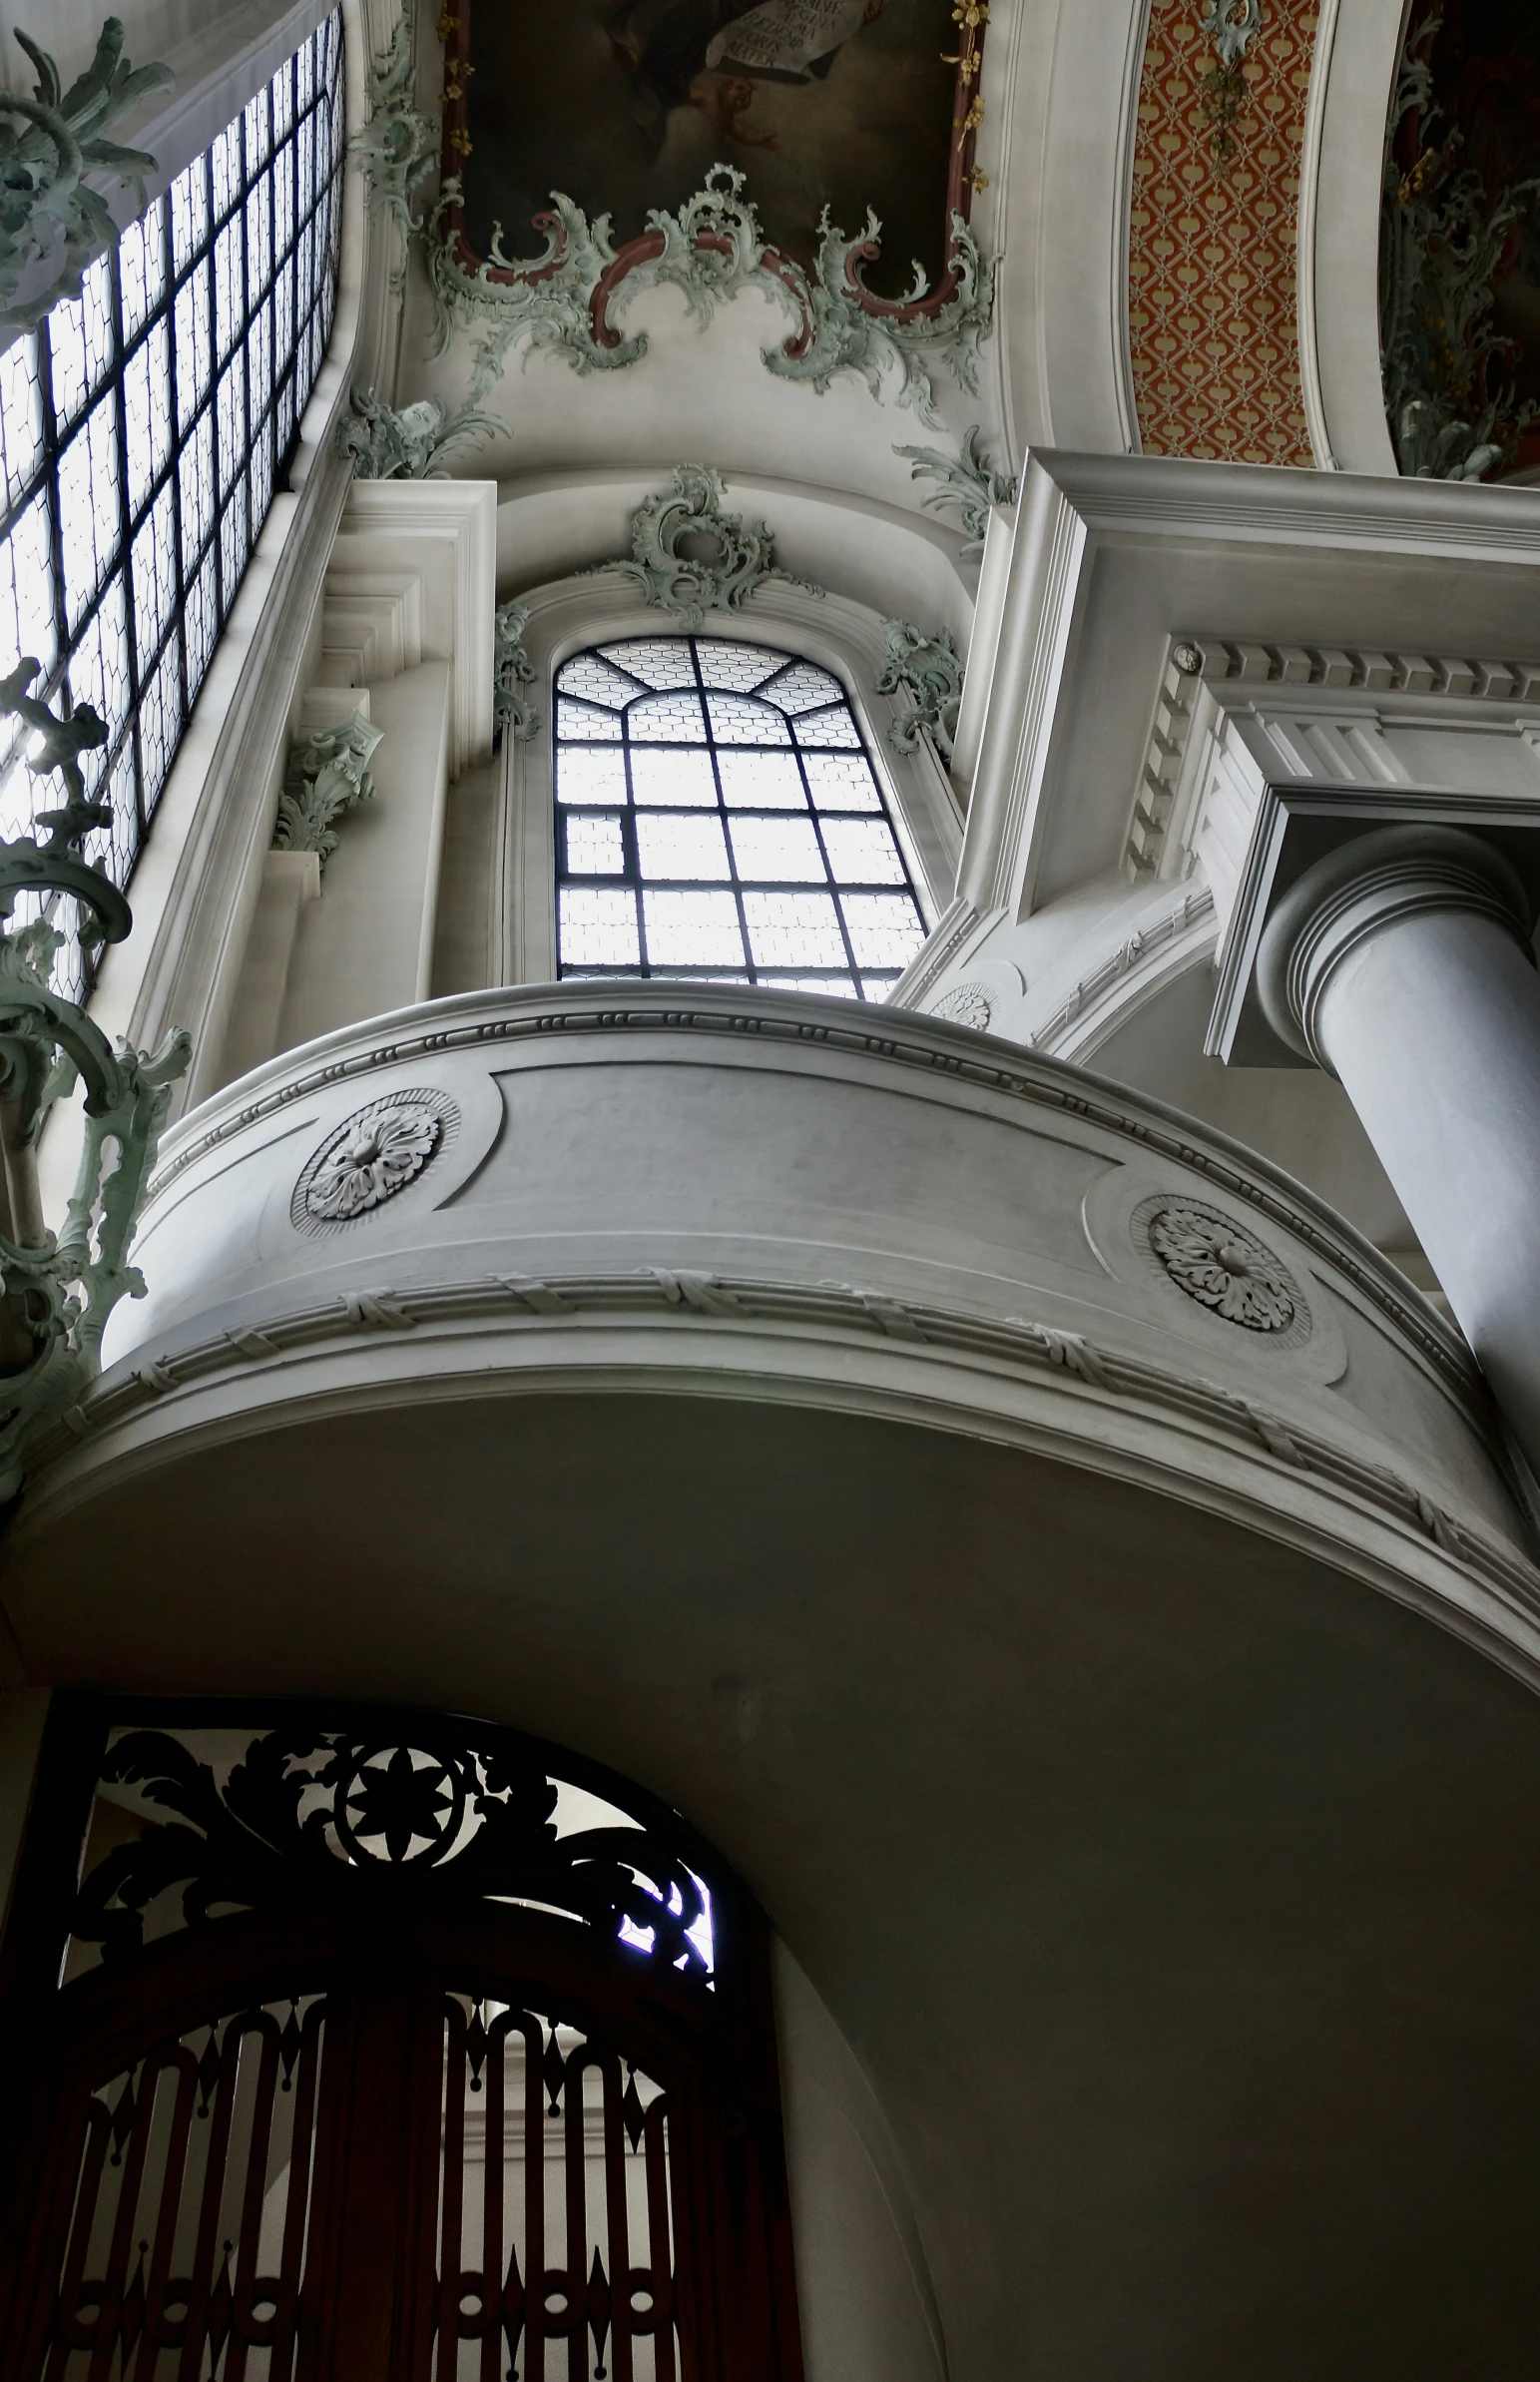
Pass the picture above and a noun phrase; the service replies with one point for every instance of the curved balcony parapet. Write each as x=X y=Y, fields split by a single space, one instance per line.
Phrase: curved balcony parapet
x=711 y=1191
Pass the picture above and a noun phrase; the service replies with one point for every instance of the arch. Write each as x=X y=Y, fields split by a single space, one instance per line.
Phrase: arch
x=380 y=2033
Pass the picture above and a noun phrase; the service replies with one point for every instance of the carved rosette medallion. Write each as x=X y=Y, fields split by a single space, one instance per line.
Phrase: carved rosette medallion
x=1220 y=1266
x=968 y=1003
x=377 y=1154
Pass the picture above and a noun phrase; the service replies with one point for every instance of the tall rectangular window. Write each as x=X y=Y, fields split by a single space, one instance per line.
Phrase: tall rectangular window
x=143 y=429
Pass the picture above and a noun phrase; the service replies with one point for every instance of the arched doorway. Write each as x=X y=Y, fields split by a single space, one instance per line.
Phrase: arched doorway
x=382 y=2046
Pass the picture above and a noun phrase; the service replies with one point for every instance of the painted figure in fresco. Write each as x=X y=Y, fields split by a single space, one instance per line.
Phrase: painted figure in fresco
x=709 y=54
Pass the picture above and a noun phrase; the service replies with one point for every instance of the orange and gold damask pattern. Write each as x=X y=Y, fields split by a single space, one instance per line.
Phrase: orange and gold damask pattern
x=1212 y=265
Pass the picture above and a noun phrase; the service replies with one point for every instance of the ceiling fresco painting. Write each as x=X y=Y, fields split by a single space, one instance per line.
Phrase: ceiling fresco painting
x=1214 y=224
x=1460 y=244
x=625 y=105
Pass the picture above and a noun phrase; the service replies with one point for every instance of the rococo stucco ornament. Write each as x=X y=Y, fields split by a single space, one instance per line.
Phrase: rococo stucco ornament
x=58 y=1289
x=1223 y=1267
x=512 y=672
x=398 y=146
x=366 y=1161
x=968 y=1003
x=931 y=669
x=690 y=556
x=327 y=774
x=563 y=301
x=407 y=445
x=49 y=213
x=969 y=481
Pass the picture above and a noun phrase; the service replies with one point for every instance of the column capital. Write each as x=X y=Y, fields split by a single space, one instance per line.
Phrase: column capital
x=1329 y=866
x=1357 y=891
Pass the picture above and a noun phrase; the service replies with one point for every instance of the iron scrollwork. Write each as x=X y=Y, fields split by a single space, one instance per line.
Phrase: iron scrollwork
x=423 y=1811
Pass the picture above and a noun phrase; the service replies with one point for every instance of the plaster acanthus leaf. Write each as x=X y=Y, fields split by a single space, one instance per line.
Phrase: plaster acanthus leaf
x=933 y=672
x=1223 y=1267
x=512 y=670
x=377 y=1154
x=564 y=300
x=968 y=1003
x=1442 y=244
x=328 y=774
x=60 y=1287
x=48 y=145
x=407 y=445
x=690 y=556
x=969 y=481
x=398 y=146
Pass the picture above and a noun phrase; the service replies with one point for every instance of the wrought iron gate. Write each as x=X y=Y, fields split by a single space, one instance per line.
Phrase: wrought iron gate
x=391 y=2051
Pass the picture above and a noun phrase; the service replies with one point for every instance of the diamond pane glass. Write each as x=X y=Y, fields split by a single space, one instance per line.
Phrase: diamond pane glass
x=143 y=427
x=741 y=858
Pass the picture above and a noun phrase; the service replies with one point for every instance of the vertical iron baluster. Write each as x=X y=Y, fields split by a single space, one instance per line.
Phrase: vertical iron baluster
x=536 y=2271
x=659 y=2236
x=452 y=2190
x=576 y=2180
x=302 y=2160
x=492 y=2204
x=115 y=2280
x=249 y=2237
x=201 y=2286
x=172 y=2183
x=93 y=2159
x=615 y=2219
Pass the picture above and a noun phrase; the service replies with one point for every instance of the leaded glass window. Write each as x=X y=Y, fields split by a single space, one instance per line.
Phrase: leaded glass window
x=719 y=817
x=143 y=429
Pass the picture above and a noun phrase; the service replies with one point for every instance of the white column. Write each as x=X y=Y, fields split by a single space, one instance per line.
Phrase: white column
x=1402 y=964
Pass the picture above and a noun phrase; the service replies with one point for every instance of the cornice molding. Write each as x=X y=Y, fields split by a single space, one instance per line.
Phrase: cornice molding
x=1357 y=679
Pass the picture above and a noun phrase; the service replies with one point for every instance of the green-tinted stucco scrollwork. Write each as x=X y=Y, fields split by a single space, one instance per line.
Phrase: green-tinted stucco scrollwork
x=327 y=774
x=969 y=481
x=690 y=556
x=396 y=148
x=407 y=445
x=512 y=670
x=564 y=301
x=57 y=1290
x=49 y=213
x=930 y=669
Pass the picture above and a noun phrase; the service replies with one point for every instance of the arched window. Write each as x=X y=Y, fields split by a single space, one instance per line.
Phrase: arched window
x=719 y=817
x=384 y=2047
x=143 y=429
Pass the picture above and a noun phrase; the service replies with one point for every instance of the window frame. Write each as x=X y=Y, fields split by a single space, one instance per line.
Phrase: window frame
x=834 y=633
x=206 y=568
